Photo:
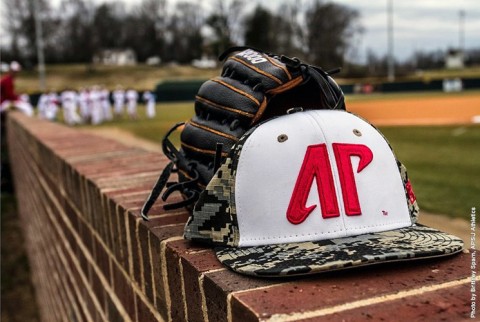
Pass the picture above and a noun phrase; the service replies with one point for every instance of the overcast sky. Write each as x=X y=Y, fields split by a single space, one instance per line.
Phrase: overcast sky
x=418 y=24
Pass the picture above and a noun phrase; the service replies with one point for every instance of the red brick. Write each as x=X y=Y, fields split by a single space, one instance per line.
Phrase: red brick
x=144 y=313
x=160 y=300
x=158 y=232
x=350 y=285
x=131 y=180
x=98 y=288
x=119 y=229
x=175 y=250
x=122 y=286
x=134 y=249
x=113 y=313
x=194 y=264
x=125 y=192
x=102 y=259
x=451 y=304
x=218 y=285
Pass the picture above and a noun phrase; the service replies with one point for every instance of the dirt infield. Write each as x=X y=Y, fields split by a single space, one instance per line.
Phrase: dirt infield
x=434 y=110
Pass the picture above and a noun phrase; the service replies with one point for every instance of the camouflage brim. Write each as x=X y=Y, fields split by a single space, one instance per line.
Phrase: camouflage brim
x=292 y=259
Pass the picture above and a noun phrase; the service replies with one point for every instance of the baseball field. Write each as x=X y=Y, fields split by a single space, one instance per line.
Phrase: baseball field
x=433 y=134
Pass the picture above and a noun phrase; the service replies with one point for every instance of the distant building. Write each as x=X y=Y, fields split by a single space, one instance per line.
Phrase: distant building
x=454 y=59
x=153 y=60
x=204 y=63
x=119 y=57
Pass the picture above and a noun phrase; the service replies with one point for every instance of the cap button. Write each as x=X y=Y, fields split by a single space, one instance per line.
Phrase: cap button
x=357 y=132
x=282 y=138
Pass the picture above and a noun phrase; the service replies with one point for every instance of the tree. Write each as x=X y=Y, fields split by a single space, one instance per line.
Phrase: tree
x=75 y=33
x=258 y=30
x=288 y=31
x=225 y=23
x=330 y=27
x=11 y=21
x=429 y=60
x=185 y=40
x=19 y=22
x=107 y=26
x=144 y=29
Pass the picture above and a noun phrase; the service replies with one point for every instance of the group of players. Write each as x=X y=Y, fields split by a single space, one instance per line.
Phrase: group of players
x=93 y=105
x=89 y=105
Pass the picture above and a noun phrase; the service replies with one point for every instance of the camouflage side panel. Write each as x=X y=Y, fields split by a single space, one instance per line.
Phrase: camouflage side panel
x=212 y=221
x=320 y=256
x=214 y=217
x=410 y=195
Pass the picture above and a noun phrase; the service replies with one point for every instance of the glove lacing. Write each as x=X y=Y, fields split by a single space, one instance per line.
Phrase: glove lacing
x=187 y=188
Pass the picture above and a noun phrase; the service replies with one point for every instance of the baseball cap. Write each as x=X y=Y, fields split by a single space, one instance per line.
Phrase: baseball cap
x=310 y=192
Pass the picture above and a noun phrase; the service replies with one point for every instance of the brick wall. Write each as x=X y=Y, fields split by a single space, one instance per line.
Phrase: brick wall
x=94 y=259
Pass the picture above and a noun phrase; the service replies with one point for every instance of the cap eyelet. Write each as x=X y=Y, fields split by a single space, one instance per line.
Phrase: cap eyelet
x=357 y=132
x=282 y=138
x=294 y=110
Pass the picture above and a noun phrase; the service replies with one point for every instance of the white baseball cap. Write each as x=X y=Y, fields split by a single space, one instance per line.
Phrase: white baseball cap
x=310 y=192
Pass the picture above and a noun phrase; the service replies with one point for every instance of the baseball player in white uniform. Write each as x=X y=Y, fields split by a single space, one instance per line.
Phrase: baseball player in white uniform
x=69 y=104
x=85 y=104
x=96 y=107
x=24 y=104
x=132 y=97
x=51 y=109
x=106 y=106
x=118 y=101
x=42 y=105
x=149 y=99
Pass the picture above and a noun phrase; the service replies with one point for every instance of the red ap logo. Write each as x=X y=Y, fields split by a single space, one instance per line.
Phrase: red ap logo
x=316 y=165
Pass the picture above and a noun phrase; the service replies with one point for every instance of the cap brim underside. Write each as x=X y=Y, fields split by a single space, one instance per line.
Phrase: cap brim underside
x=314 y=257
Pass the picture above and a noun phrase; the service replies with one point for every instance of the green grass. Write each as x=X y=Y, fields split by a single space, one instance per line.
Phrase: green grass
x=442 y=161
x=168 y=114
x=443 y=165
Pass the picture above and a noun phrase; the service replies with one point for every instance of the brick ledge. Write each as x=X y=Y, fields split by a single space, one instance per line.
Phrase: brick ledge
x=93 y=258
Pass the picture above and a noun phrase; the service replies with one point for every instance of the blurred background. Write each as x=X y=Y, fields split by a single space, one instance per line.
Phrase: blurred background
x=410 y=67
x=380 y=38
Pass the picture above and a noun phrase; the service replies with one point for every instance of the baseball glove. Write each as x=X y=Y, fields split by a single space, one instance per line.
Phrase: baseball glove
x=254 y=86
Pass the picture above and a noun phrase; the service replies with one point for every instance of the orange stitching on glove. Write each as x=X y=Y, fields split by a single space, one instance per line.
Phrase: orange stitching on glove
x=230 y=109
x=261 y=109
x=291 y=84
x=224 y=154
x=257 y=70
x=225 y=135
x=236 y=90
